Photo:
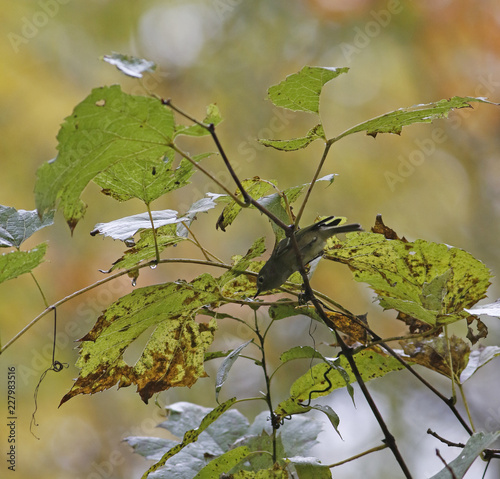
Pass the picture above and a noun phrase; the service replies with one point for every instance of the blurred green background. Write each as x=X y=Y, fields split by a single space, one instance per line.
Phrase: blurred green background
x=229 y=52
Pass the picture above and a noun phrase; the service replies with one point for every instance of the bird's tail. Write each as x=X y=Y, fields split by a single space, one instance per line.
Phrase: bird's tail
x=346 y=228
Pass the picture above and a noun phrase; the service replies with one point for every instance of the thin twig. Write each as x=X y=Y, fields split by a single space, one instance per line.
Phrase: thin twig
x=313 y=182
x=127 y=271
x=45 y=302
x=268 y=386
x=357 y=456
x=446 y=465
x=248 y=200
x=117 y=275
x=466 y=405
x=450 y=361
x=399 y=338
x=207 y=173
x=443 y=440
x=197 y=243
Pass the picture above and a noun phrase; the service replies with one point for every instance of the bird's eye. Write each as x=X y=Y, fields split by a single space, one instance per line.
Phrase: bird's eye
x=260 y=280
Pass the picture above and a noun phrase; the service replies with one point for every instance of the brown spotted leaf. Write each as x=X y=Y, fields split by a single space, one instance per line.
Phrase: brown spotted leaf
x=174 y=353
x=323 y=378
x=429 y=282
x=439 y=354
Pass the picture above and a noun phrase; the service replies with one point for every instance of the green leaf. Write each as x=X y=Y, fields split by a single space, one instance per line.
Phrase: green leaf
x=224 y=463
x=427 y=281
x=226 y=366
x=106 y=128
x=255 y=187
x=213 y=117
x=477 y=359
x=216 y=354
x=310 y=468
x=394 y=121
x=294 y=192
x=243 y=286
x=146 y=180
x=261 y=443
x=315 y=133
x=192 y=435
x=174 y=353
x=125 y=228
x=145 y=248
x=240 y=265
x=300 y=91
x=331 y=415
x=17 y=226
x=276 y=471
x=130 y=65
x=300 y=352
x=476 y=444
x=322 y=379
x=16 y=263
x=285 y=309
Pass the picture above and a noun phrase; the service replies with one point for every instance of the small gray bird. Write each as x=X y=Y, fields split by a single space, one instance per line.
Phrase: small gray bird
x=311 y=241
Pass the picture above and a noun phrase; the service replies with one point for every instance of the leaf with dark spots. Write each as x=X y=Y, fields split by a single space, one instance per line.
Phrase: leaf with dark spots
x=372 y=363
x=429 y=282
x=435 y=353
x=174 y=353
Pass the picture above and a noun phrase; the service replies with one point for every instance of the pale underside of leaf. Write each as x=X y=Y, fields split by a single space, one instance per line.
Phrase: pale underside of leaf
x=16 y=226
x=125 y=228
x=130 y=65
